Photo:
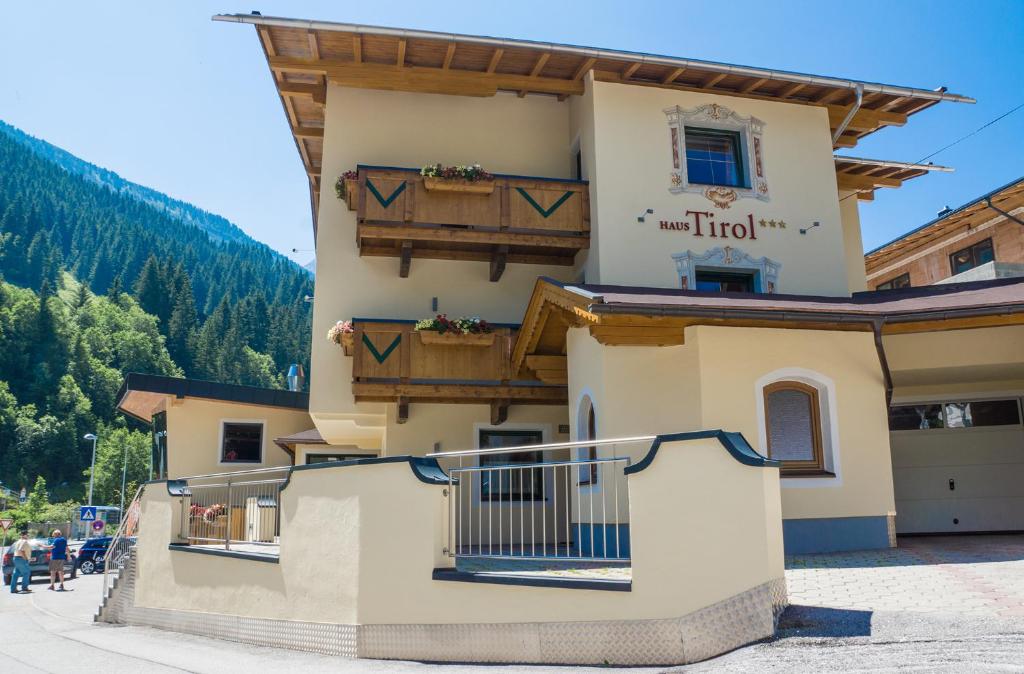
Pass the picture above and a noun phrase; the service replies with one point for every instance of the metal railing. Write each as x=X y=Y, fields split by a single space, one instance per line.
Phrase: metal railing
x=121 y=545
x=553 y=501
x=238 y=510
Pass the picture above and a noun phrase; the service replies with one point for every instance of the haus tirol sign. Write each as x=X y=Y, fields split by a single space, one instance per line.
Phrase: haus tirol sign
x=704 y=223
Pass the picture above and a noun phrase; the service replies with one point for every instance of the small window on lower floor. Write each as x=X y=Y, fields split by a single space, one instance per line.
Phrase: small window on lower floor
x=793 y=427
x=507 y=481
x=724 y=282
x=901 y=281
x=241 y=442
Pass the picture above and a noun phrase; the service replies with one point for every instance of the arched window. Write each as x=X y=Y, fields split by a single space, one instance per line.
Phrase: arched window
x=793 y=430
x=587 y=430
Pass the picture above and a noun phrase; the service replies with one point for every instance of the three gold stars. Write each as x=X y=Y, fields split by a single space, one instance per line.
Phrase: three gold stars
x=772 y=223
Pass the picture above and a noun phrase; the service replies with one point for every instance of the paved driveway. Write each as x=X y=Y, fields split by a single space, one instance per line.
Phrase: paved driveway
x=969 y=575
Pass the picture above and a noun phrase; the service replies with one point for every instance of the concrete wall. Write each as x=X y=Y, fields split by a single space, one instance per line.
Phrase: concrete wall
x=853 y=243
x=633 y=165
x=384 y=531
x=194 y=434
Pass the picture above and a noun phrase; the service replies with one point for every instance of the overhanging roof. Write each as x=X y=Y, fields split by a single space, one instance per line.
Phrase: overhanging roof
x=141 y=395
x=864 y=176
x=968 y=216
x=623 y=315
x=303 y=55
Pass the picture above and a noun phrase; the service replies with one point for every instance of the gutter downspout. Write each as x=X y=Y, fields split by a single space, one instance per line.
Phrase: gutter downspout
x=876 y=329
x=988 y=202
x=859 y=90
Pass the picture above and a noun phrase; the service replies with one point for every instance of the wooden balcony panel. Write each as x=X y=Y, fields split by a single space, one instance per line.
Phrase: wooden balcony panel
x=522 y=221
x=391 y=363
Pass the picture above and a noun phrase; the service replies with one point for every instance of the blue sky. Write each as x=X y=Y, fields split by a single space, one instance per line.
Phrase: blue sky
x=169 y=99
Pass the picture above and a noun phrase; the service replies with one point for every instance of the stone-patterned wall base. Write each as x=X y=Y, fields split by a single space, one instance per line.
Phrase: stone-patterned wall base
x=891 y=522
x=742 y=619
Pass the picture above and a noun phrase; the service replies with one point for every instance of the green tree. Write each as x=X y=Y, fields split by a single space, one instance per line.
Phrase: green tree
x=114 y=445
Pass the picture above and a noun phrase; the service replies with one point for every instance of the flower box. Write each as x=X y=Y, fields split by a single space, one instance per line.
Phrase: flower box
x=433 y=184
x=352 y=194
x=435 y=338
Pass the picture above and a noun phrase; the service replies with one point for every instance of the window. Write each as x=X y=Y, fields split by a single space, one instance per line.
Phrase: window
x=588 y=431
x=914 y=417
x=714 y=157
x=971 y=257
x=724 y=282
x=241 y=442
x=901 y=281
x=961 y=414
x=517 y=484
x=332 y=458
x=793 y=427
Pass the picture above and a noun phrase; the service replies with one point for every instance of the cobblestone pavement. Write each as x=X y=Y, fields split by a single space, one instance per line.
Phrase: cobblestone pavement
x=968 y=575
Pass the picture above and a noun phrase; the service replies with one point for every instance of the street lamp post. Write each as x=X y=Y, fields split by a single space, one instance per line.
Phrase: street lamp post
x=124 y=474
x=92 y=471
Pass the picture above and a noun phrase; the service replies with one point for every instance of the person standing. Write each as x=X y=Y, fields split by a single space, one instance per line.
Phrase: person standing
x=22 y=555
x=58 y=557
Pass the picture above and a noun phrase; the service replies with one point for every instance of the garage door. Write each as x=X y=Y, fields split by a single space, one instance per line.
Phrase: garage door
x=958 y=466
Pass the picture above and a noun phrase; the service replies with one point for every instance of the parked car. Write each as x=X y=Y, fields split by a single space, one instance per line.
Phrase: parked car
x=39 y=565
x=92 y=554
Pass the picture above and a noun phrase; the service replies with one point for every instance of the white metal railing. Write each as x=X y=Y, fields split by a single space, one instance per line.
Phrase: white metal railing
x=121 y=545
x=240 y=509
x=552 y=501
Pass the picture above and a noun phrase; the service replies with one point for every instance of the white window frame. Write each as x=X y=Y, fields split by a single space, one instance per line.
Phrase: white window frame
x=263 y=442
x=718 y=117
x=829 y=423
x=581 y=430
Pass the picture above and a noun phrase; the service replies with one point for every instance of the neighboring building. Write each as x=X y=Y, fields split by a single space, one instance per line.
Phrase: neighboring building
x=668 y=247
x=981 y=240
x=202 y=427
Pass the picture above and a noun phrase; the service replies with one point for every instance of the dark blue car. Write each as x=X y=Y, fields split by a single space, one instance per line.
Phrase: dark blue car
x=92 y=555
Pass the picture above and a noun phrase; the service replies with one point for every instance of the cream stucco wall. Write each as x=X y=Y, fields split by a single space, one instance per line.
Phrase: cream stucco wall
x=853 y=244
x=506 y=134
x=633 y=164
x=194 y=427
x=389 y=530
x=714 y=381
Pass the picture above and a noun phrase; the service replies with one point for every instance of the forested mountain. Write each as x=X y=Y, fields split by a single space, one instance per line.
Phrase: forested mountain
x=104 y=277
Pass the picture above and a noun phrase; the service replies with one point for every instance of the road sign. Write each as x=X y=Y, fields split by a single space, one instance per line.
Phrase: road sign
x=87 y=513
x=98 y=525
x=6 y=524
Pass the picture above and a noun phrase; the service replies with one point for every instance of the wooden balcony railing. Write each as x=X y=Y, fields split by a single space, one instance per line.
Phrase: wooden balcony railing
x=392 y=362
x=520 y=220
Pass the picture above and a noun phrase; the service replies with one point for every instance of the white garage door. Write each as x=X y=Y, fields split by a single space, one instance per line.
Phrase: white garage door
x=958 y=466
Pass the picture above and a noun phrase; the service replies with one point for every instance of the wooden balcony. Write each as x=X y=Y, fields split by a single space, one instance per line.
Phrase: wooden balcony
x=392 y=362
x=521 y=220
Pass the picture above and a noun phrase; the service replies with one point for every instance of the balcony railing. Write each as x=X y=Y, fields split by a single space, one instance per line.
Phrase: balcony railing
x=392 y=362
x=556 y=501
x=511 y=220
x=237 y=510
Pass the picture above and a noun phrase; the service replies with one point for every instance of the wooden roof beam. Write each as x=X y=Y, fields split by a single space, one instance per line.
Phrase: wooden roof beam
x=864 y=119
x=630 y=70
x=448 y=56
x=672 y=75
x=828 y=96
x=317 y=92
x=847 y=181
x=747 y=88
x=424 y=80
x=710 y=82
x=542 y=61
x=495 y=59
x=357 y=48
x=584 y=67
x=791 y=90
x=314 y=44
x=307 y=132
x=400 y=58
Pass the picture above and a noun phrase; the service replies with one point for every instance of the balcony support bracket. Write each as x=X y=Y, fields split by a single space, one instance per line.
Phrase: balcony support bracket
x=498 y=261
x=405 y=260
x=499 y=412
x=403 y=409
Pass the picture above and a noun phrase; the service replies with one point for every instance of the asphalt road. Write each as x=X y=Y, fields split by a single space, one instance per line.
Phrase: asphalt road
x=54 y=632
